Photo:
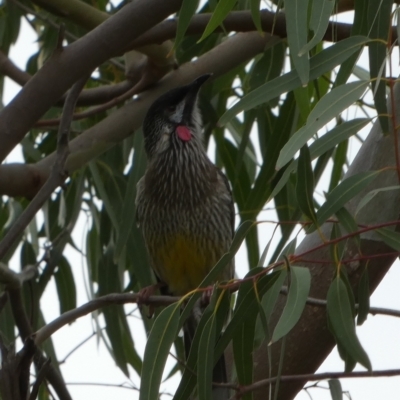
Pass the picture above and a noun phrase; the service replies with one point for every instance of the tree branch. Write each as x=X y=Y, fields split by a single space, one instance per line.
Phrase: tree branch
x=310 y=341
x=114 y=298
x=26 y=180
x=316 y=377
x=237 y=21
x=76 y=60
x=57 y=175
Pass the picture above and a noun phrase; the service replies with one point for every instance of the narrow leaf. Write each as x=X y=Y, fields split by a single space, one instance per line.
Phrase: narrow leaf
x=343 y=193
x=336 y=389
x=321 y=11
x=305 y=184
x=342 y=322
x=221 y=11
x=390 y=237
x=296 y=301
x=369 y=196
x=296 y=27
x=186 y=13
x=321 y=63
x=206 y=359
x=162 y=335
x=332 y=104
x=363 y=297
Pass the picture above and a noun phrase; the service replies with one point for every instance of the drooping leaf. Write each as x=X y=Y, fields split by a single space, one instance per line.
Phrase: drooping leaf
x=379 y=21
x=162 y=335
x=326 y=109
x=363 y=297
x=343 y=193
x=390 y=237
x=321 y=11
x=321 y=63
x=221 y=11
x=305 y=184
x=336 y=389
x=300 y=282
x=342 y=322
x=296 y=27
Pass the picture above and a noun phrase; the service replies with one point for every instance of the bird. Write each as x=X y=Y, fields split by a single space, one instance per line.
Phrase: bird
x=184 y=204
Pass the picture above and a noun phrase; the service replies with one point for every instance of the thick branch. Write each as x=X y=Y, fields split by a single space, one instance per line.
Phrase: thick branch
x=76 y=60
x=57 y=176
x=26 y=180
x=238 y=21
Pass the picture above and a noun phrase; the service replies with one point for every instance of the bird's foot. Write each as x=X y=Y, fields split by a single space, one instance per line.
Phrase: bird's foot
x=144 y=295
x=206 y=296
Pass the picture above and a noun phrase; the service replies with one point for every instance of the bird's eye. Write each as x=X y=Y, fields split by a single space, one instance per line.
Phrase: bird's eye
x=171 y=109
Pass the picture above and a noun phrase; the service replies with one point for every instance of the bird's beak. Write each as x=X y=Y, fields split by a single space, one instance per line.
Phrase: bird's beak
x=191 y=96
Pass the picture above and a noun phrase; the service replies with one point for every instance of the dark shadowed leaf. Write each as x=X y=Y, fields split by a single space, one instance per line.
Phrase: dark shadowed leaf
x=363 y=297
x=221 y=11
x=186 y=13
x=65 y=285
x=305 y=184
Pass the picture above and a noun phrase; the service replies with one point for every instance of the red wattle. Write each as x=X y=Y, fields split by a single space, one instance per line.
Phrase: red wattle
x=183 y=133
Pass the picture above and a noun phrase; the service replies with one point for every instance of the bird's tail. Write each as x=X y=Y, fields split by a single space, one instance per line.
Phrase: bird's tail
x=219 y=372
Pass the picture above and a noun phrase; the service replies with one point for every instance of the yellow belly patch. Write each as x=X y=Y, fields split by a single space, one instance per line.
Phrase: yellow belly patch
x=182 y=264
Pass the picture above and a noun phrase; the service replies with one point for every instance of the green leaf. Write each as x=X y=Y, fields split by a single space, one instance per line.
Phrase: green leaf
x=348 y=222
x=369 y=196
x=270 y=298
x=296 y=27
x=162 y=335
x=342 y=322
x=255 y=13
x=103 y=194
x=336 y=389
x=390 y=237
x=65 y=285
x=128 y=213
x=379 y=22
x=206 y=359
x=300 y=281
x=246 y=305
x=339 y=161
x=343 y=193
x=320 y=14
x=363 y=297
x=305 y=184
x=337 y=135
x=242 y=345
x=321 y=63
x=332 y=104
x=188 y=9
x=221 y=11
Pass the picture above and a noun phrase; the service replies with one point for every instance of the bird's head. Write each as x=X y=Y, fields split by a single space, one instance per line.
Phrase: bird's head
x=173 y=120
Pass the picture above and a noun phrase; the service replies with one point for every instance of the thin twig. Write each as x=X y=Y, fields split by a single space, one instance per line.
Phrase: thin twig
x=57 y=175
x=114 y=298
x=316 y=377
x=138 y=88
x=14 y=280
x=372 y=310
x=39 y=379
